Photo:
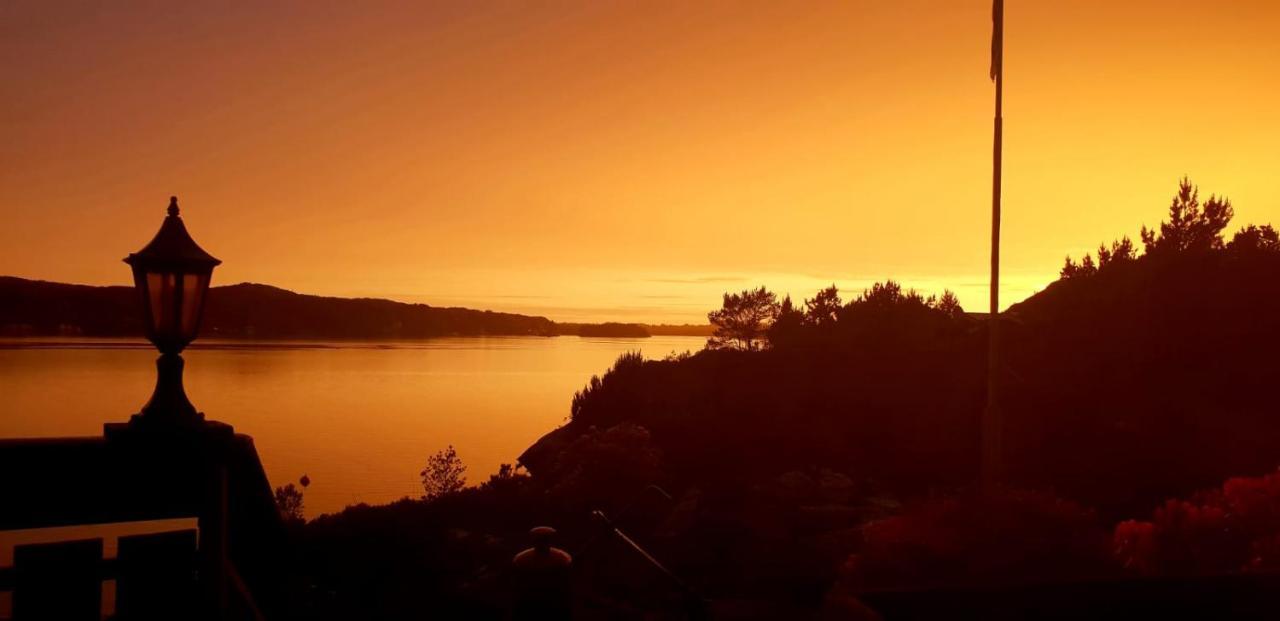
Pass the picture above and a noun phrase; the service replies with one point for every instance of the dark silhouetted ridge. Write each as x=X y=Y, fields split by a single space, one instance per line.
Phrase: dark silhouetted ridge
x=256 y=311
x=247 y=310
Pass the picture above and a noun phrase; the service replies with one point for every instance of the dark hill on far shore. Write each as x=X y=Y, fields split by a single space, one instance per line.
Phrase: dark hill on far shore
x=253 y=311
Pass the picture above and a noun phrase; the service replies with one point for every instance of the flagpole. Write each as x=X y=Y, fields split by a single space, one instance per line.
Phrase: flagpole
x=992 y=423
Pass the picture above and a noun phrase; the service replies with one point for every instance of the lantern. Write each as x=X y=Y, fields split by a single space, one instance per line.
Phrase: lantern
x=171 y=275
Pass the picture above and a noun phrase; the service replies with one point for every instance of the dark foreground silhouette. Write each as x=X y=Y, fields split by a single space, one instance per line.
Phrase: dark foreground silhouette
x=818 y=458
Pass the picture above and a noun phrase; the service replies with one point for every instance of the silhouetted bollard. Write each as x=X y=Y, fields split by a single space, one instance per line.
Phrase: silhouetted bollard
x=541 y=577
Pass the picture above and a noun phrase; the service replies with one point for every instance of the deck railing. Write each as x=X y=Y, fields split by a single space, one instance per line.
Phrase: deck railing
x=220 y=570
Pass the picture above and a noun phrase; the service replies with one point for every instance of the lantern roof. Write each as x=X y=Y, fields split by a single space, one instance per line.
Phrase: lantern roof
x=172 y=246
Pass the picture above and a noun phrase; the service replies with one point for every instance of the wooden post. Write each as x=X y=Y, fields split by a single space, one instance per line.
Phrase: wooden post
x=213 y=542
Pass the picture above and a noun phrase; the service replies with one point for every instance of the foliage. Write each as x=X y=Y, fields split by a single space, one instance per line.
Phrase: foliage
x=507 y=477
x=888 y=317
x=884 y=312
x=1233 y=528
x=823 y=308
x=949 y=305
x=888 y=293
x=605 y=465
x=754 y=320
x=1121 y=251
x=1256 y=238
x=1008 y=536
x=1073 y=270
x=743 y=320
x=443 y=559
x=675 y=356
x=1110 y=379
x=627 y=365
x=443 y=474
x=1125 y=389
x=1191 y=225
x=788 y=326
x=289 y=502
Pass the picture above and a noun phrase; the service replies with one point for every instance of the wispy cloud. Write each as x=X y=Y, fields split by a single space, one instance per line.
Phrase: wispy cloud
x=699 y=280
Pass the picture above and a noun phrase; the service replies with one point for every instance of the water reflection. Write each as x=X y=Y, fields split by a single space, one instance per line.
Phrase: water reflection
x=359 y=418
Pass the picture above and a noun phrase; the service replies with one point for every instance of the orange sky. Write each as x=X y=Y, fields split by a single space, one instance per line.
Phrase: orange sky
x=620 y=160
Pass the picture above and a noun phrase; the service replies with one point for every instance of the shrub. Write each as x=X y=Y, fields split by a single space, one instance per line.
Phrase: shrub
x=1010 y=536
x=1233 y=528
x=443 y=475
x=289 y=502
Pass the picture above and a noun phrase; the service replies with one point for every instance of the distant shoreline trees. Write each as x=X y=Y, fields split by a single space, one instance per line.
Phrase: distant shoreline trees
x=754 y=319
x=608 y=329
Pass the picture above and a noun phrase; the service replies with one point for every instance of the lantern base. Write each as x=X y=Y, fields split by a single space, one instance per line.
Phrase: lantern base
x=169 y=404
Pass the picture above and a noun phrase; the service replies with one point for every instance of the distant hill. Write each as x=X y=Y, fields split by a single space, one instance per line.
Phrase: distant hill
x=41 y=308
x=684 y=329
x=246 y=310
x=608 y=329
x=633 y=330
x=254 y=311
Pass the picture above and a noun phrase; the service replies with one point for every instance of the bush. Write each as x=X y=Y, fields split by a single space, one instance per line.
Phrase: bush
x=1013 y=536
x=1234 y=528
x=604 y=465
x=289 y=502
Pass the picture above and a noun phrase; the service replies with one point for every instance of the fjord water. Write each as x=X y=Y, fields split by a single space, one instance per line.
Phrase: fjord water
x=359 y=418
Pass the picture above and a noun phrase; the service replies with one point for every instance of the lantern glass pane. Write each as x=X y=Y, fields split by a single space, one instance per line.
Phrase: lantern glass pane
x=161 y=288
x=193 y=288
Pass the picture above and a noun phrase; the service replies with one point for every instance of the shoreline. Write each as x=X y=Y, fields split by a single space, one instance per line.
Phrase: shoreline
x=114 y=343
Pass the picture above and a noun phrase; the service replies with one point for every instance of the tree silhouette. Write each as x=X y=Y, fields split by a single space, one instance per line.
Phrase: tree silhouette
x=1257 y=238
x=887 y=294
x=1120 y=251
x=443 y=474
x=744 y=320
x=289 y=502
x=949 y=304
x=1191 y=225
x=1085 y=267
x=823 y=308
x=1070 y=269
x=788 y=326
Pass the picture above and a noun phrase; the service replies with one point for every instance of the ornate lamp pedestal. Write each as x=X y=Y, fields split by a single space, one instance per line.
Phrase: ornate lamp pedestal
x=169 y=403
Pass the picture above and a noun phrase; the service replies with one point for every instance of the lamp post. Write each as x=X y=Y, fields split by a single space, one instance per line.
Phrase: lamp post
x=171 y=274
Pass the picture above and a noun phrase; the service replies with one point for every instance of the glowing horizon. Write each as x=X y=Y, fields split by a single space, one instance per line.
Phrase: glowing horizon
x=621 y=162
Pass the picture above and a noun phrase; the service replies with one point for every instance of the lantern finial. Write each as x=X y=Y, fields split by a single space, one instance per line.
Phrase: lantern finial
x=173 y=205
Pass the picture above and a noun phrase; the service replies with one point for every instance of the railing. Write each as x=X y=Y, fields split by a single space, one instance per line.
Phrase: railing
x=64 y=580
x=129 y=476
x=155 y=576
x=691 y=603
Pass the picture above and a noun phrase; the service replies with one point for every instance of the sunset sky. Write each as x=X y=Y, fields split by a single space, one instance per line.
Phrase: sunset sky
x=620 y=160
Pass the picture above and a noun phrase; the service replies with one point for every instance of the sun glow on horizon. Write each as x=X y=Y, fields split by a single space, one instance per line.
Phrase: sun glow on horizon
x=622 y=162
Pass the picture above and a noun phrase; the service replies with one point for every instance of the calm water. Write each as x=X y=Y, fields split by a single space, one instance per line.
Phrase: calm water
x=360 y=419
